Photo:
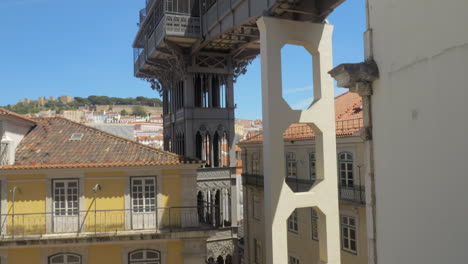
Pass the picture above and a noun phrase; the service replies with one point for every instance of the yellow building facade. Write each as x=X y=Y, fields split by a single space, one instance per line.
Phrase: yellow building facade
x=73 y=194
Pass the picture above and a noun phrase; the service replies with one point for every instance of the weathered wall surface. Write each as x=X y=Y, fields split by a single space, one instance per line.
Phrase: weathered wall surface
x=420 y=113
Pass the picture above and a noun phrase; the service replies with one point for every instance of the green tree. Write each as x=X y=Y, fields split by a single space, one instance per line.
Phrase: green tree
x=123 y=112
x=139 y=110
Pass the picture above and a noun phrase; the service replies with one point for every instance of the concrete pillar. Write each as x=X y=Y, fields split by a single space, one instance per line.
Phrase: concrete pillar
x=279 y=200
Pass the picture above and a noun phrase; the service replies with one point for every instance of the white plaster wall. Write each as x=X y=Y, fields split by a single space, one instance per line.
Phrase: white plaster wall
x=13 y=132
x=420 y=131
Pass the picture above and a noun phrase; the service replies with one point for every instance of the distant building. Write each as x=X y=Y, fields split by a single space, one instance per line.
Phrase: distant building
x=41 y=101
x=66 y=99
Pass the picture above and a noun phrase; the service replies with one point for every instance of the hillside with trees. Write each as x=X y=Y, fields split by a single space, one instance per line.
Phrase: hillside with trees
x=35 y=106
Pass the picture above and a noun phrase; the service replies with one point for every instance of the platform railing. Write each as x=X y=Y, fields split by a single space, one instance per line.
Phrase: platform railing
x=99 y=222
x=353 y=194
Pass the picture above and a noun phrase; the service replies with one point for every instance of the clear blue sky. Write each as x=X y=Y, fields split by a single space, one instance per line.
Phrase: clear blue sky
x=82 y=48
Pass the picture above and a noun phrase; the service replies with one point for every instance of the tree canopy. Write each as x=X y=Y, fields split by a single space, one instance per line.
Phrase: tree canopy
x=81 y=102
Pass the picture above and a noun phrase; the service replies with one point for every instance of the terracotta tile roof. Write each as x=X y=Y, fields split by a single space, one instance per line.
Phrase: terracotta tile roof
x=348 y=116
x=4 y=112
x=48 y=145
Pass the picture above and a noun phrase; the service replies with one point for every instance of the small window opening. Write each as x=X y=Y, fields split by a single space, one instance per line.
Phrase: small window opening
x=76 y=137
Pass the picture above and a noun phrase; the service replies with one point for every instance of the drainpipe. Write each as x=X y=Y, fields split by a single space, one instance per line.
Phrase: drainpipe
x=13 y=194
x=358 y=78
x=96 y=188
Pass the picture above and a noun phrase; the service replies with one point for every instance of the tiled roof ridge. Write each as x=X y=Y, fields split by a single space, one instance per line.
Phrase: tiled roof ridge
x=11 y=113
x=116 y=137
x=94 y=165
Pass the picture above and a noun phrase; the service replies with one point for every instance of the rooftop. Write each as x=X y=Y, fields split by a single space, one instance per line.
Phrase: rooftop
x=348 y=116
x=50 y=145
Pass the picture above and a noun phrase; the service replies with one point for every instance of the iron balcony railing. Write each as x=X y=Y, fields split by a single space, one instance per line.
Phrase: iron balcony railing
x=101 y=222
x=349 y=125
x=353 y=194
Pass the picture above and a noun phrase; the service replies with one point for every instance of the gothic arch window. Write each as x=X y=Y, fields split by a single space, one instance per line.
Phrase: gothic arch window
x=228 y=259
x=206 y=150
x=65 y=258
x=216 y=150
x=179 y=147
x=144 y=256
x=224 y=141
x=198 y=91
x=345 y=169
x=201 y=207
x=218 y=208
x=220 y=260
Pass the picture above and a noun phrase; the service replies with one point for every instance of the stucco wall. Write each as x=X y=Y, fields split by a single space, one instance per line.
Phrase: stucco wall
x=419 y=115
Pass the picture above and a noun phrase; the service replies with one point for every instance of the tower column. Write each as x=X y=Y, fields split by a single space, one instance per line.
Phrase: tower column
x=279 y=200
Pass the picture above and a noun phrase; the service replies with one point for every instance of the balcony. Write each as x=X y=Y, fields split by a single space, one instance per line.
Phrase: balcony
x=175 y=20
x=353 y=194
x=101 y=223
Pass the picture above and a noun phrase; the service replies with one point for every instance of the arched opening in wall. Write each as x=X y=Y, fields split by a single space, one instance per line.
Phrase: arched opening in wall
x=207 y=152
x=307 y=225
x=220 y=260
x=297 y=82
x=226 y=207
x=197 y=83
x=217 y=208
x=228 y=259
x=180 y=143
x=216 y=150
x=201 y=90
x=222 y=95
x=201 y=207
x=215 y=92
x=302 y=157
x=205 y=95
x=209 y=207
x=211 y=261
x=225 y=150
x=199 y=146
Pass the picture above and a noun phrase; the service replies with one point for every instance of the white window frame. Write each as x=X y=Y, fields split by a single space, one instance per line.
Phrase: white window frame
x=67 y=210
x=65 y=261
x=347 y=229
x=293 y=223
x=312 y=167
x=293 y=260
x=146 y=202
x=314 y=218
x=346 y=174
x=291 y=165
x=145 y=259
